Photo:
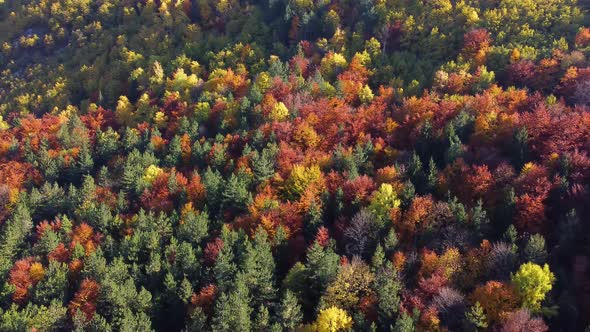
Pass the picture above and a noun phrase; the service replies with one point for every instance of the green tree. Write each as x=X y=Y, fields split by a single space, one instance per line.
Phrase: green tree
x=321 y=268
x=13 y=237
x=232 y=311
x=535 y=250
x=54 y=284
x=405 y=323
x=235 y=194
x=387 y=288
x=262 y=320
x=475 y=318
x=263 y=165
x=290 y=315
x=258 y=269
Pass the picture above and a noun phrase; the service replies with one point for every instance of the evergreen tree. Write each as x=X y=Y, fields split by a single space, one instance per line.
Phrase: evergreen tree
x=262 y=320
x=520 y=148
x=232 y=311
x=290 y=315
x=259 y=268
x=475 y=318
x=235 y=194
x=14 y=233
x=322 y=267
x=405 y=323
x=174 y=155
x=455 y=147
x=387 y=287
x=225 y=267
x=378 y=258
x=432 y=176
x=479 y=220
x=54 y=284
x=263 y=165
x=535 y=250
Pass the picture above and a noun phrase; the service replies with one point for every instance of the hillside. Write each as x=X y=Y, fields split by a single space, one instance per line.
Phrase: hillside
x=294 y=165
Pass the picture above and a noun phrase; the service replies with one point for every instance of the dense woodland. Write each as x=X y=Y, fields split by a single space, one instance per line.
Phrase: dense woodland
x=294 y=165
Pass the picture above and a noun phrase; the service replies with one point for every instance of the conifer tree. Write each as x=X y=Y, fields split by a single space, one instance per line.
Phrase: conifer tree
x=259 y=269
x=14 y=233
x=290 y=315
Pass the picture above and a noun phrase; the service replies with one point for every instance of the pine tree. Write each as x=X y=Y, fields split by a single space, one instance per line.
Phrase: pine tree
x=259 y=268
x=535 y=250
x=455 y=147
x=263 y=165
x=174 y=155
x=225 y=267
x=378 y=258
x=458 y=210
x=235 y=194
x=322 y=267
x=232 y=311
x=520 y=148
x=13 y=238
x=262 y=320
x=475 y=318
x=54 y=284
x=390 y=242
x=405 y=323
x=415 y=172
x=213 y=182
x=479 y=220
x=432 y=176
x=290 y=315
x=85 y=162
x=387 y=288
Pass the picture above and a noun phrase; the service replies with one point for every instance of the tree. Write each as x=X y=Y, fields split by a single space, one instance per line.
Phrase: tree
x=362 y=234
x=332 y=319
x=455 y=147
x=496 y=299
x=13 y=236
x=263 y=165
x=383 y=201
x=235 y=194
x=534 y=250
x=232 y=311
x=259 y=269
x=301 y=178
x=261 y=322
x=321 y=267
x=387 y=288
x=476 y=318
x=350 y=285
x=451 y=306
x=479 y=220
x=85 y=299
x=405 y=323
x=532 y=283
x=34 y=317
x=125 y=112
x=501 y=260
x=225 y=268
x=54 y=284
x=290 y=315
x=521 y=320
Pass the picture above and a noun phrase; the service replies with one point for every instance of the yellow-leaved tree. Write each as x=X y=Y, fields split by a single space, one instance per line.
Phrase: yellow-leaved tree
x=533 y=282
x=300 y=178
x=383 y=201
x=332 y=319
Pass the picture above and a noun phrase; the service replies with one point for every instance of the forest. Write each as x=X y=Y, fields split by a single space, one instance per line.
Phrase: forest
x=295 y=165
